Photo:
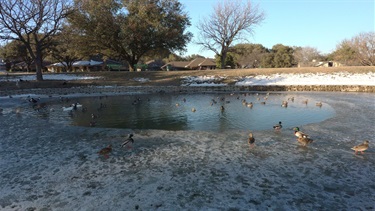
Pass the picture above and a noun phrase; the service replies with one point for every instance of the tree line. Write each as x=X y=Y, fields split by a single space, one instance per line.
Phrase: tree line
x=134 y=31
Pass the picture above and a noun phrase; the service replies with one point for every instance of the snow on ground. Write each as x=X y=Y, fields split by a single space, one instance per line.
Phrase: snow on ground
x=202 y=80
x=340 y=78
x=66 y=77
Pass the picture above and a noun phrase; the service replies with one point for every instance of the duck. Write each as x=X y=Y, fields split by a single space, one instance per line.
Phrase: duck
x=1 y=110
x=250 y=105
x=251 y=140
x=304 y=141
x=361 y=147
x=128 y=140
x=70 y=108
x=284 y=104
x=193 y=110
x=305 y=101
x=299 y=133
x=319 y=104
x=222 y=108
x=105 y=151
x=33 y=100
x=278 y=126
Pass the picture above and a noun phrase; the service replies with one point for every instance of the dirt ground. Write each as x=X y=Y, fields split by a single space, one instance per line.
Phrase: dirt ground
x=166 y=78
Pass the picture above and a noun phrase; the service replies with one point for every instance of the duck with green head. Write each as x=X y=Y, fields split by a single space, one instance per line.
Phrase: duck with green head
x=299 y=133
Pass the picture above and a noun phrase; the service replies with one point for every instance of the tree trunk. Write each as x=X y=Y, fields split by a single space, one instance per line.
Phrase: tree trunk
x=223 y=57
x=39 y=67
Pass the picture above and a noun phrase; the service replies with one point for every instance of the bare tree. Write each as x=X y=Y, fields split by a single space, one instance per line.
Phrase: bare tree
x=364 y=46
x=305 y=55
x=33 y=23
x=230 y=21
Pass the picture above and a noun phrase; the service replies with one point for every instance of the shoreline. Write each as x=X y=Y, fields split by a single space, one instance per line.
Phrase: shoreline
x=186 y=89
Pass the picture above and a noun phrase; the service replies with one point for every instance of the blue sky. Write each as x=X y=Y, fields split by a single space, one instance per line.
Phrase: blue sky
x=321 y=24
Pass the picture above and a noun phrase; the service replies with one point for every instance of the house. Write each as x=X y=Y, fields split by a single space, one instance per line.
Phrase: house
x=23 y=66
x=155 y=64
x=179 y=65
x=202 y=64
x=78 y=66
x=329 y=64
x=196 y=64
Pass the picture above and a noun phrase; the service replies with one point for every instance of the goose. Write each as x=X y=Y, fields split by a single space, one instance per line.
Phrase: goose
x=128 y=140
x=304 y=141
x=105 y=151
x=361 y=147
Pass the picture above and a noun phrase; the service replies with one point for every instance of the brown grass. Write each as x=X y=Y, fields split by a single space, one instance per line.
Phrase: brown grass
x=173 y=78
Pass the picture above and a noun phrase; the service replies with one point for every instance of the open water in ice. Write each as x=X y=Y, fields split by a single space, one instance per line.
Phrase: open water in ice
x=174 y=112
x=48 y=164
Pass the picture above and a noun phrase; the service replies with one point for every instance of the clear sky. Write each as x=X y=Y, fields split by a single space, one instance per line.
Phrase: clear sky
x=321 y=24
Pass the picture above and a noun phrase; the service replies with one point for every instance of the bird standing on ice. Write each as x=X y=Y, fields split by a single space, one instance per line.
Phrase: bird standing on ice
x=105 y=151
x=361 y=147
x=128 y=140
x=251 y=140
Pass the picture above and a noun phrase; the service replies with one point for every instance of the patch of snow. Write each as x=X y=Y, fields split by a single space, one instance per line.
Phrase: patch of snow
x=203 y=80
x=67 y=77
x=142 y=80
x=340 y=78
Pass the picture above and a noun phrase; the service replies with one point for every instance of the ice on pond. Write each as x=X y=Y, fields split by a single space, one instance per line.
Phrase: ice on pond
x=47 y=164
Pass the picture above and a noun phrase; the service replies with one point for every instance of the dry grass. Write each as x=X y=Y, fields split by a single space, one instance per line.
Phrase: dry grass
x=173 y=78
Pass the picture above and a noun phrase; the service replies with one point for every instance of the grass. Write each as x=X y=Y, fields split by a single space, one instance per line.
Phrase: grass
x=173 y=78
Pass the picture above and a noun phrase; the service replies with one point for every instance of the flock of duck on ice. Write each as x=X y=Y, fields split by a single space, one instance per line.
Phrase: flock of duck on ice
x=302 y=137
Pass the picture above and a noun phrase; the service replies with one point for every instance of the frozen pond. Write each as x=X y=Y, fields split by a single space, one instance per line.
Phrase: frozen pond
x=204 y=112
x=53 y=165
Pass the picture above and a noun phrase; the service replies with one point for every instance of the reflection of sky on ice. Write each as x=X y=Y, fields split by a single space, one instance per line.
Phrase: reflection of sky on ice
x=51 y=165
x=171 y=112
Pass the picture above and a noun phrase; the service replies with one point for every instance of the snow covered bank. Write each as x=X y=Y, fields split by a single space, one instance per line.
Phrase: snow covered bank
x=65 y=77
x=341 y=78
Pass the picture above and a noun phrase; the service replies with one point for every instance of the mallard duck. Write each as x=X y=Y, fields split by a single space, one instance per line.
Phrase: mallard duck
x=251 y=140
x=177 y=104
x=299 y=133
x=128 y=140
x=361 y=147
x=222 y=108
x=278 y=126
x=319 y=104
x=193 y=110
x=250 y=105
x=105 y=151
x=263 y=103
x=304 y=141
x=284 y=104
